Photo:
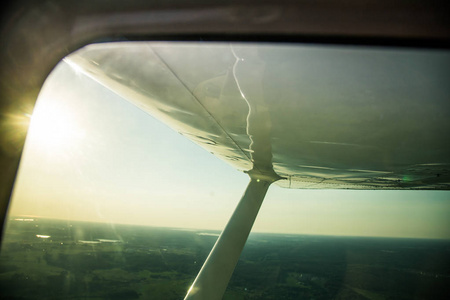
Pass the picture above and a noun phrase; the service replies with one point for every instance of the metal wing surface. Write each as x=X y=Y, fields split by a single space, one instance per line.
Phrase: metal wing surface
x=309 y=116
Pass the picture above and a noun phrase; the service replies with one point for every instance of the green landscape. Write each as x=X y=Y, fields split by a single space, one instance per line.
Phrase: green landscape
x=55 y=259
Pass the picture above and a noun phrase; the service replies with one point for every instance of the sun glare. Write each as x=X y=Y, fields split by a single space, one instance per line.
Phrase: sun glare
x=54 y=127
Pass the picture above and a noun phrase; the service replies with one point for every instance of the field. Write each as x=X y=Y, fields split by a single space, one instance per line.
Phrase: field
x=53 y=259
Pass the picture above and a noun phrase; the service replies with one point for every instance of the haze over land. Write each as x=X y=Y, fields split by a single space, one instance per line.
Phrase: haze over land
x=48 y=259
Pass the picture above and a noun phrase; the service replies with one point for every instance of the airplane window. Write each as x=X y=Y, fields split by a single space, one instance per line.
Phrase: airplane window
x=111 y=203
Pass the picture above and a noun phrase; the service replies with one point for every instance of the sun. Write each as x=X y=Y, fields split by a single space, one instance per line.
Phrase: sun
x=55 y=126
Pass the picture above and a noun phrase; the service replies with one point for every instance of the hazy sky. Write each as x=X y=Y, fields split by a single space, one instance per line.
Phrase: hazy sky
x=91 y=155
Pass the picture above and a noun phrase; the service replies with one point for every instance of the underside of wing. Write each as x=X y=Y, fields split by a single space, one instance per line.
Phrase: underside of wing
x=308 y=116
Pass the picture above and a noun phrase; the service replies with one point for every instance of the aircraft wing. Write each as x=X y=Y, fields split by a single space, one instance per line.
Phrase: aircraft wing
x=309 y=116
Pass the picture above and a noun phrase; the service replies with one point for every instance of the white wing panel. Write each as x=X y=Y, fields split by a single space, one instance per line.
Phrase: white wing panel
x=315 y=116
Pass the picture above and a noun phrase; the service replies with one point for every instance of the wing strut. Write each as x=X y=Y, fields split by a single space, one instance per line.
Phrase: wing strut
x=212 y=280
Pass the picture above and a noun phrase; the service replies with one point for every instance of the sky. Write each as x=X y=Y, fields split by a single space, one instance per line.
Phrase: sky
x=90 y=155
